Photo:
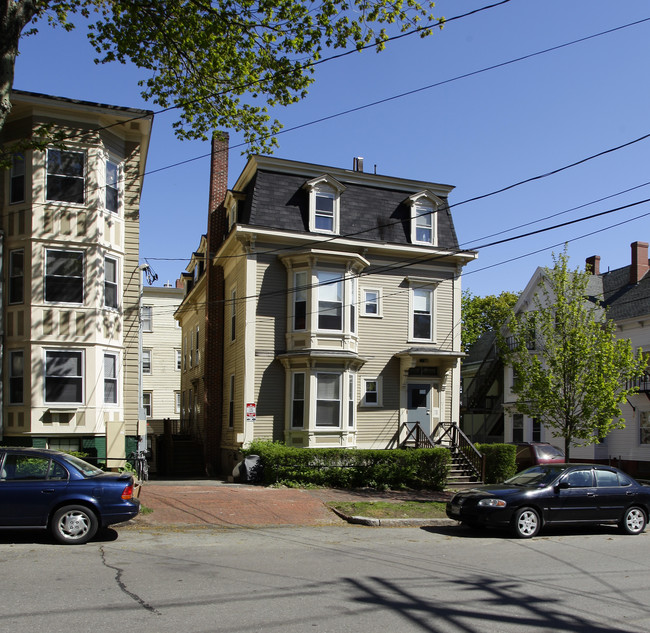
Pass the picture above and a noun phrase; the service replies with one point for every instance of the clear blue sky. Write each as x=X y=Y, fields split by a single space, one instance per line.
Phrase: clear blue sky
x=480 y=133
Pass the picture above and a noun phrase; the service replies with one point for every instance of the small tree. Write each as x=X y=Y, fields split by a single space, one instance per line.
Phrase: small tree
x=571 y=372
x=484 y=314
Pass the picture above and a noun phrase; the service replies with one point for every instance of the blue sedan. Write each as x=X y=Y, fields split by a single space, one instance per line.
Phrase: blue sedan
x=52 y=490
x=556 y=494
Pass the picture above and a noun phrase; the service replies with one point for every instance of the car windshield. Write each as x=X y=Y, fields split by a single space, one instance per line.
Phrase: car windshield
x=86 y=469
x=537 y=476
x=549 y=452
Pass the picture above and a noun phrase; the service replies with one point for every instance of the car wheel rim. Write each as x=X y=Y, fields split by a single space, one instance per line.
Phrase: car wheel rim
x=635 y=520
x=74 y=525
x=527 y=523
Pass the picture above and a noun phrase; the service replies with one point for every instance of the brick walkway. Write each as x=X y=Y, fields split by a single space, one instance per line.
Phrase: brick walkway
x=210 y=503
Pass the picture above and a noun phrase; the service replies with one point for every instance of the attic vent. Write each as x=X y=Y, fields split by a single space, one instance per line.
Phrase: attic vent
x=357 y=163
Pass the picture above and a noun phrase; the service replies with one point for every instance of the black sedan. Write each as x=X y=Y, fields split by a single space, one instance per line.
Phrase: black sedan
x=556 y=494
x=53 y=490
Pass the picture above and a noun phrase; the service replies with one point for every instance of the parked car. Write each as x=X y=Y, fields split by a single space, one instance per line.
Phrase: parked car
x=556 y=494
x=534 y=453
x=52 y=490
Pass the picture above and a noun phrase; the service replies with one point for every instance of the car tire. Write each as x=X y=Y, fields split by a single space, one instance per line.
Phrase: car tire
x=634 y=521
x=74 y=525
x=526 y=523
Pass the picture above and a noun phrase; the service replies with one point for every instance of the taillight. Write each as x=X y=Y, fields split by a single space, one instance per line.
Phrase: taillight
x=127 y=493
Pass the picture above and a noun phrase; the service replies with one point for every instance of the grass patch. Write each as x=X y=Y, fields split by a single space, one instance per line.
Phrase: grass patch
x=391 y=509
x=144 y=509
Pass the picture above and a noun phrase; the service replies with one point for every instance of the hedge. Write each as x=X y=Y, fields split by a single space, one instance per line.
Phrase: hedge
x=499 y=461
x=352 y=468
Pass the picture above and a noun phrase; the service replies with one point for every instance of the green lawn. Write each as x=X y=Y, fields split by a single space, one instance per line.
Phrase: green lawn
x=391 y=509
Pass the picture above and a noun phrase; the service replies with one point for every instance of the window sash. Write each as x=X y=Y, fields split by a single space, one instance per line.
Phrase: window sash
x=300 y=301
x=17 y=179
x=231 y=403
x=65 y=176
x=371 y=302
x=422 y=313
x=17 y=276
x=330 y=301
x=112 y=182
x=371 y=392
x=298 y=401
x=110 y=379
x=147 y=403
x=146 y=361
x=110 y=283
x=644 y=427
x=328 y=400
x=233 y=315
x=146 y=318
x=64 y=377
x=324 y=211
x=16 y=377
x=64 y=276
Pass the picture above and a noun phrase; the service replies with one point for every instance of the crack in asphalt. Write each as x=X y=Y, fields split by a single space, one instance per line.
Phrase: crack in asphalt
x=122 y=585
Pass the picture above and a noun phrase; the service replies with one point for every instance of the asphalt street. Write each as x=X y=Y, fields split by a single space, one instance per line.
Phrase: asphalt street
x=327 y=579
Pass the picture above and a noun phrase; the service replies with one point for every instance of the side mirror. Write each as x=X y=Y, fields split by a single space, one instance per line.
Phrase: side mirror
x=563 y=485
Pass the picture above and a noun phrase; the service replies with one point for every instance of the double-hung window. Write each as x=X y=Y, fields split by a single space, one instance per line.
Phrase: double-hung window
x=644 y=427
x=65 y=176
x=330 y=301
x=424 y=218
x=16 y=276
x=112 y=199
x=298 y=401
x=147 y=403
x=146 y=319
x=328 y=399
x=16 y=376
x=324 y=211
x=64 y=276
x=146 y=361
x=110 y=379
x=233 y=314
x=371 y=392
x=370 y=306
x=196 y=347
x=422 y=314
x=64 y=377
x=300 y=301
x=324 y=204
x=17 y=187
x=231 y=403
x=110 y=283
x=177 y=354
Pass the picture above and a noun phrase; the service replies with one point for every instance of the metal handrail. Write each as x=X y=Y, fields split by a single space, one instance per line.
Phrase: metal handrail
x=472 y=457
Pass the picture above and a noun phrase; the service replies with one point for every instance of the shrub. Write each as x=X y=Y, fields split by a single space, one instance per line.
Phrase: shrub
x=499 y=461
x=352 y=468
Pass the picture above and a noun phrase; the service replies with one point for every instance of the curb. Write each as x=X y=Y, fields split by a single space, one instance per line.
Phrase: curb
x=372 y=522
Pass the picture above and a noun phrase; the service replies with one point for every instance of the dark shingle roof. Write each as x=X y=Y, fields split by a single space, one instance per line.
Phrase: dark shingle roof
x=277 y=200
x=623 y=299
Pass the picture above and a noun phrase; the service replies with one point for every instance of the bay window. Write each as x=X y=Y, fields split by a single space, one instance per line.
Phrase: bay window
x=110 y=379
x=298 y=401
x=300 y=282
x=16 y=276
x=328 y=399
x=330 y=301
x=16 y=377
x=110 y=283
x=112 y=192
x=17 y=179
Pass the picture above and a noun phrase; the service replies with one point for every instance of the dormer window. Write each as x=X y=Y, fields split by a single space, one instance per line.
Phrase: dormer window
x=424 y=225
x=324 y=204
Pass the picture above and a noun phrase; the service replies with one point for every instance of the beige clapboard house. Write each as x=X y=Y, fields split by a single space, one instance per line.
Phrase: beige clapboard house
x=332 y=309
x=72 y=282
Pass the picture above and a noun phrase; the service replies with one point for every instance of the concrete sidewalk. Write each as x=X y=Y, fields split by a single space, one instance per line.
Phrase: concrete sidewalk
x=218 y=504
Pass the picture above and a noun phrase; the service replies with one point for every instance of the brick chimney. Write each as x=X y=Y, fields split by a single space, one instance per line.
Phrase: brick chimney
x=640 y=264
x=214 y=313
x=593 y=265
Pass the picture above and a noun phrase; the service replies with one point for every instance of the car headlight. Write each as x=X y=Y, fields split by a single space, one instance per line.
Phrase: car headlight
x=492 y=503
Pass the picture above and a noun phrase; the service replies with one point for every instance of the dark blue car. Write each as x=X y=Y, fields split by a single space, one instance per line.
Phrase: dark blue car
x=556 y=494
x=52 y=490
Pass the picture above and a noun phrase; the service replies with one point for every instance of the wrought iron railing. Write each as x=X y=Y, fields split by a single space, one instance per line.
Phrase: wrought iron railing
x=461 y=444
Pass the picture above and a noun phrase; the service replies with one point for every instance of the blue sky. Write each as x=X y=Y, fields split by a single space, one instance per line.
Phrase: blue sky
x=480 y=133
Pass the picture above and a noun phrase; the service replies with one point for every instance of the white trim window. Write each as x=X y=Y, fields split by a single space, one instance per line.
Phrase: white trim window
x=644 y=427
x=17 y=179
x=371 y=303
x=354 y=297
x=66 y=176
x=112 y=197
x=16 y=376
x=196 y=347
x=146 y=361
x=300 y=295
x=324 y=204
x=177 y=402
x=352 y=408
x=178 y=357
x=147 y=404
x=146 y=318
x=64 y=382
x=231 y=403
x=422 y=314
x=328 y=399
x=16 y=276
x=424 y=218
x=371 y=392
x=110 y=378
x=111 y=295
x=330 y=300
x=64 y=276
x=298 y=401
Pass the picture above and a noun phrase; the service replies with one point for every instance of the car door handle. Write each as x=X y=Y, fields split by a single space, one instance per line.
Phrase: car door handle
x=47 y=491
x=629 y=493
x=591 y=494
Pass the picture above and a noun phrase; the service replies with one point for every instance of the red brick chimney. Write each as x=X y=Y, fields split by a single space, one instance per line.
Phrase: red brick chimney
x=214 y=313
x=593 y=265
x=640 y=264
